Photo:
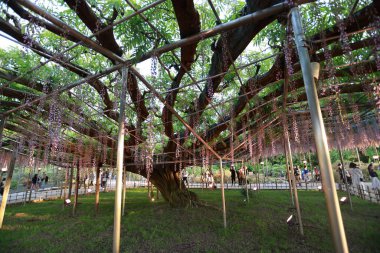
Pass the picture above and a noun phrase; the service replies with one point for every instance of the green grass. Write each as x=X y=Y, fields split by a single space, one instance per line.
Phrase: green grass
x=154 y=227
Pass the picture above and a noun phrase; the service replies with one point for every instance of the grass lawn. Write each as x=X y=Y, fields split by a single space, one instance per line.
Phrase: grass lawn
x=259 y=226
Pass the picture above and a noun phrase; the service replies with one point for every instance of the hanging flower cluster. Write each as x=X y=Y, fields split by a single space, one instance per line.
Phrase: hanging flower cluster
x=295 y=129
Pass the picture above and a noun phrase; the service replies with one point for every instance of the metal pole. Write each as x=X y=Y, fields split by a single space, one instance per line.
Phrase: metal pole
x=97 y=187
x=293 y=179
x=329 y=189
x=124 y=190
x=222 y=189
x=175 y=113
x=246 y=175
x=119 y=164
x=254 y=17
x=65 y=186
x=7 y=185
x=288 y=172
x=357 y=154
x=345 y=177
x=71 y=181
x=34 y=170
x=76 y=190
x=2 y=124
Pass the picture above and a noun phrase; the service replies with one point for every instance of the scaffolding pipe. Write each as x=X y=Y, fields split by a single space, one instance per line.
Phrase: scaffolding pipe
x=196 y=135
x=329 y=189
x=71 y=182
x=87 y=41
x=345 y=177
x=2 y=124
x=124 y=189
x=77 y=185
x=119 y=164
x=7 y=186
x=222 y=189
x=254 y=17
x=97 y=187
x=288 y=152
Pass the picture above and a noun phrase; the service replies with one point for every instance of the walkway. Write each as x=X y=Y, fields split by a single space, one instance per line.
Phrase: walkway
x=365 y=192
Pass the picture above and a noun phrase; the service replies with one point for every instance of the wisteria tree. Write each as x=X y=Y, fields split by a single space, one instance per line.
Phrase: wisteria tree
x=228 y=88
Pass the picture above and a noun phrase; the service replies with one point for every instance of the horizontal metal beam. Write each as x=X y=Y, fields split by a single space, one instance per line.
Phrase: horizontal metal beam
x=66 y=88
x=89 y=42
x=162 y=99
x=254 y=17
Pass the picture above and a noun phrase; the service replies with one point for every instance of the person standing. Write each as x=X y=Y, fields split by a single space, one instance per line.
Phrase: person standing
x=356 y=174
x=43 y=182
x=305 y=173
x=316 y=174
x=374 y=177
x=91 y=178
x=185 y=175
x=340 y=171
x=233 y=174
x=297 y=175
x=241 y=175
x=35 y=182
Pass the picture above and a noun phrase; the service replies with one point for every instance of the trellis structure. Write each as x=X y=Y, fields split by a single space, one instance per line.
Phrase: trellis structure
x=250 y=124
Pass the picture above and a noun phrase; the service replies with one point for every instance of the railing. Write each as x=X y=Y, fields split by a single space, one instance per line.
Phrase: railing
x=363 y=191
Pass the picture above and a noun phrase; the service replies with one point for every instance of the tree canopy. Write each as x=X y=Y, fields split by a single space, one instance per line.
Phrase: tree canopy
x=229 y=88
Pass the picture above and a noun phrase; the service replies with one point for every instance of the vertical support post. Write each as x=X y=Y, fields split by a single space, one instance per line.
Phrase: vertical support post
x=2 y=124
x=333 y=208
x=124 y=189
x=291 y=175
x=28 y=184
x=357 y=154
x=65 y=186
x=288 y=172
x=76 y=190
x=7 y=185
x=97 y=186
x=119 y=164
x=246 y=175
x=345 y=178
x=222 y=189
x=71 y=181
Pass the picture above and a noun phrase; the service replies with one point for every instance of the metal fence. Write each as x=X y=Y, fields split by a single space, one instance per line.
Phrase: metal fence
x=363 y=191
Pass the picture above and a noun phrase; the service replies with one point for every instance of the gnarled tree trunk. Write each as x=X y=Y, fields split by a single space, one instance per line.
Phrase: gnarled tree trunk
x=168 y=182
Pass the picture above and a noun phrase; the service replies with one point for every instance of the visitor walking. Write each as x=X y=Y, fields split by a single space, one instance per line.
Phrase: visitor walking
x=297 y=175
x=211 y=181
x=91 y=178
x=233 y=174
x=374 y=177
x=317 y=174
x=104 y=179
x=241 y=175
x=43 y=182
x=356 y=174
x=305 y=173
x=185 y=175
x=340 y=171
x=35 y=182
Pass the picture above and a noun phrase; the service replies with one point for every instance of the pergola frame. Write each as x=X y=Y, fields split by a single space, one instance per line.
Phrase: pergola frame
x=123 y=63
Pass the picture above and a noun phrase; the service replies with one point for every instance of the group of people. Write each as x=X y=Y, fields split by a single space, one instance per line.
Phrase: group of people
x=354 y=176
x=208 y=178
x=305 y=174
x=39 y=182
x=240 y=174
